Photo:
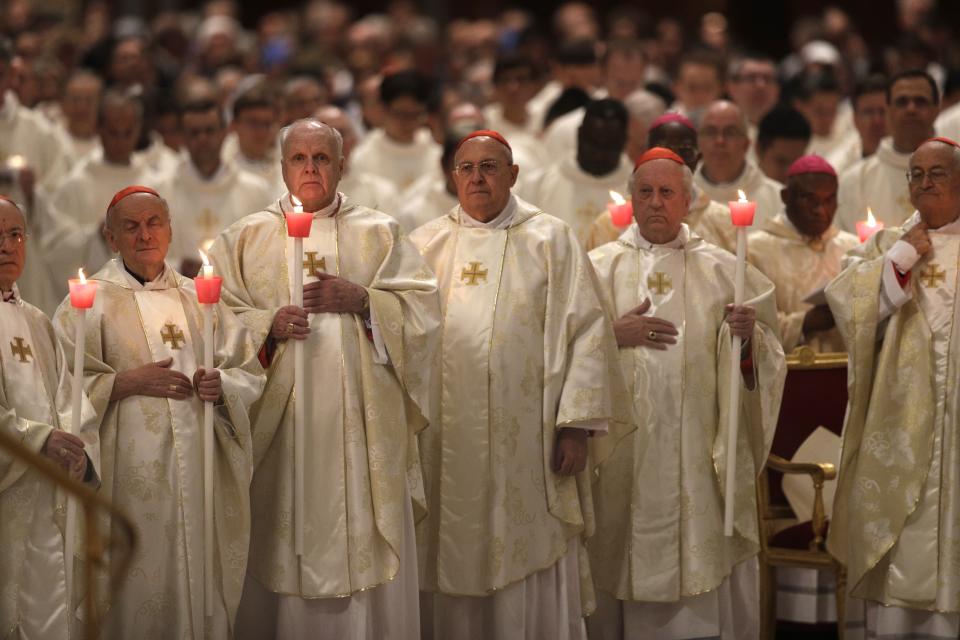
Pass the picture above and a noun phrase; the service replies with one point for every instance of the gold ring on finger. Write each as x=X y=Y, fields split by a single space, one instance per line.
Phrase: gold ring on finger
x=652 y=335
x=173 y=387
x=290 y=327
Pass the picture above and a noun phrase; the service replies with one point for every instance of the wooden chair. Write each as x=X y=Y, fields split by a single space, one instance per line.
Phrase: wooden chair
x=815 y=394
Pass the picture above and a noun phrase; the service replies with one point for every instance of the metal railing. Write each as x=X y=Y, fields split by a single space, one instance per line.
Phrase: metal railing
x=96 y=544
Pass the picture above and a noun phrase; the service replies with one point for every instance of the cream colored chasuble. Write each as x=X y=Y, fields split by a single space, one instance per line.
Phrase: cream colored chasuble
x=42 y=595
x=920 y=568
x=474 y=283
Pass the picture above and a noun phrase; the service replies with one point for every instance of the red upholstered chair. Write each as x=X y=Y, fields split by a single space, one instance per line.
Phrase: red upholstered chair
x=815 y=394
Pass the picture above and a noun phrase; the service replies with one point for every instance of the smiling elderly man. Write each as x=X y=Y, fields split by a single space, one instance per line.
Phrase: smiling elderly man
x=143 y=348
x=898 y=495
x=35 y=408
x=529 y=371
x=660 y=559
x=369 y=321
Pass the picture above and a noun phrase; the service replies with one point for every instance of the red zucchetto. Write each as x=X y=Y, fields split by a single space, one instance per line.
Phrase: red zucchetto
x=129 y=191
x=485 y=133
x=667 y=118
x=658 y=153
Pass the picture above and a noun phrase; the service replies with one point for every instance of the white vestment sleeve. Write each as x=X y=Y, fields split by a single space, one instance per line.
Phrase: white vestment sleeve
x=901 y=256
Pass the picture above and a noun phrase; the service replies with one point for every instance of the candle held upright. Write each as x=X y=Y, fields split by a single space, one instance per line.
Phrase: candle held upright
x=741 y=215
x=298 y=228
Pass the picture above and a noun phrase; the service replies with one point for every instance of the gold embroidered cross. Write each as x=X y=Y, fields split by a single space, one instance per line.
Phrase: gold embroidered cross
x=659 y=282
x=209 y=222
x=932 y=275
x=473 y=273
x=171 y=333
x=311 y=264
x=21 y=350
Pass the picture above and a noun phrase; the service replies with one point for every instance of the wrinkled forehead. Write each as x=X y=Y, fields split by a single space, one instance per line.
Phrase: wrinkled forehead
x=11 y=217
x=480 y=149
x=935 y=154
x=660 y=172
x=310 y=140
x=139 y=207
x=722 y=116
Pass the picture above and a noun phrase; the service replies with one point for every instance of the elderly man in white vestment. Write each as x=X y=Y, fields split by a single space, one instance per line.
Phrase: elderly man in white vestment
x=661 y=562
x=365 y=189
x=800 y=251
x=877 y=182
x=205 y=192
x=74 y=236
x=726 y=168
x=144 y=345
x=369 y=324
x=711 y=220
x=35 y=400
x=529 y=373
x=578 y=186
x=897 y=504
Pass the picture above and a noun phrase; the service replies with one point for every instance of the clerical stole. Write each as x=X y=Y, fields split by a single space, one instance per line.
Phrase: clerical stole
x=42 y=595
x=472 y=285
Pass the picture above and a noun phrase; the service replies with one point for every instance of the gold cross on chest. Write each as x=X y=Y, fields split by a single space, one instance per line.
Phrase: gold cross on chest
x=209 y=222
x=20 y=349
x=932 y=275
x=472 y=274
x=171 y=333
x=312 y=265
x=659 y=282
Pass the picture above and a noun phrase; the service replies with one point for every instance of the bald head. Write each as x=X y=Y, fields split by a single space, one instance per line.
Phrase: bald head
x=310 y=127
x=339 y=120
x=934 y=181
x=13 y=251
x=723 y=141
x=9 y=208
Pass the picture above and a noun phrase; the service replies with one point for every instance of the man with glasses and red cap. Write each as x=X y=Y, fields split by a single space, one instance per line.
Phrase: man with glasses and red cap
x=897 y=504
x=661 y=562
x=529 y=373
x=800 y=250
x=143 y=376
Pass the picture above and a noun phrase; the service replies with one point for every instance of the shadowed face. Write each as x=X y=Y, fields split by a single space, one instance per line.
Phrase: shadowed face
x=312 y=165
x=483 y=174
x=660 y=200
x=138 y=228
x=811 y=202
x=13 y=250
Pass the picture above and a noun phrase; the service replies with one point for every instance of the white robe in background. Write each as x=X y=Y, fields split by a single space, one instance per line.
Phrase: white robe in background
x=754 y=183
x=268 y=168
x=948 y=123
x=846 y=154
x=528 y=150
x=798 y=266
x=200 y=208
x=78 y=210
x=152 y=452
x=526 y=350
x=370 y=191
x=158 y=157
x=573 y=195
x=878 y=182
x=401 y=164
x=660 y=547
x=35 y=399
x=425 y=205
x=27 y=133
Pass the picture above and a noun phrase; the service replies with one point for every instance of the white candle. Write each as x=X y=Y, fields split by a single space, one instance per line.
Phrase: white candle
x=733 y=400
x=298 y=396
x=207 y=307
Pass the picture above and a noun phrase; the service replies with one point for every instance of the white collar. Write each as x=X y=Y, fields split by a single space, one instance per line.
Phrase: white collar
x=677 y=243
x=502 y=221
x=286 y=205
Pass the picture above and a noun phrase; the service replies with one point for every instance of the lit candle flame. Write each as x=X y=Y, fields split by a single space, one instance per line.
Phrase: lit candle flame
x=207 y=270
x=206 y=244
x=871 y=221
x=83 y=278
x=742 y=195
x=16 y=162
x=297 y=205
x=616 y=198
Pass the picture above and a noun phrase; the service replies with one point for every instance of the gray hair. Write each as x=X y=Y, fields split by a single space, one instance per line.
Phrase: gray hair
x=312 y=123
x=687 y=179
x=644 y=106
